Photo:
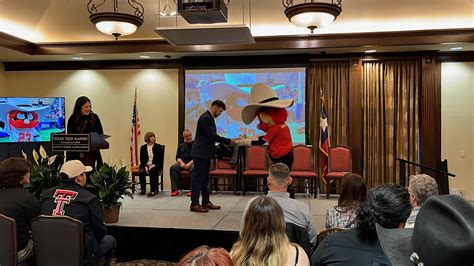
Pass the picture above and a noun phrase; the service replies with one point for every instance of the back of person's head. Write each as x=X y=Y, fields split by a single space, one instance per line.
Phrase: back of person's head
x=388 y=205
x=263 y=240
x=218 y=103
x=79 y=103
x=353 y=192
x=279 y=173
x=147 y=136
x=205 y=256
x=12 y=171
x=421 y=187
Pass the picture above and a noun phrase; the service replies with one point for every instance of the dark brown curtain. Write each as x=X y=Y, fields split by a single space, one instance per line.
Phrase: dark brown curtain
x=332 y=78
x=390 y=98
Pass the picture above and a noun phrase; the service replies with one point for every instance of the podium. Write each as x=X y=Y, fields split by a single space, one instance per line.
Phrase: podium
x=83 y=147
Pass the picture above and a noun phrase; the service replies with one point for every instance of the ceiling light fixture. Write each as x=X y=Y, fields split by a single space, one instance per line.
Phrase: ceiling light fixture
x=456 y=48
x=116 y=23
x=77 y=58
x=145 y=56
x=312 y=14
x=370 y=51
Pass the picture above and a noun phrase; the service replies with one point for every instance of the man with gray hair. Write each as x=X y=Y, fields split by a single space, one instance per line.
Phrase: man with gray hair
x=295 y=212
x=420 y=187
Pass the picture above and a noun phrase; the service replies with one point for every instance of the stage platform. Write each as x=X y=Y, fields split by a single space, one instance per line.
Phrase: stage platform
x=163 y=228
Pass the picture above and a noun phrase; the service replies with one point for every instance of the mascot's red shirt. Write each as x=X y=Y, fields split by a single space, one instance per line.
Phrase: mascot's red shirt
x=279 y=140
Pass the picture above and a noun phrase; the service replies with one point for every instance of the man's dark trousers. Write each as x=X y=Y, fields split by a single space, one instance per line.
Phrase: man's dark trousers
x=200 y=181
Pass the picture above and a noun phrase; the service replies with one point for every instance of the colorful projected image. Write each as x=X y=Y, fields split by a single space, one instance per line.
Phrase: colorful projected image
x=233 y=87
x=30 y=119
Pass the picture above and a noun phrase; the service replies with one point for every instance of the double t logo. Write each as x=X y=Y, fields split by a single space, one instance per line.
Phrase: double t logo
x=61 y=197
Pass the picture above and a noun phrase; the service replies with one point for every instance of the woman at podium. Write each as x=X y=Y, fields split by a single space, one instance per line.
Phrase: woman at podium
x=84 y=121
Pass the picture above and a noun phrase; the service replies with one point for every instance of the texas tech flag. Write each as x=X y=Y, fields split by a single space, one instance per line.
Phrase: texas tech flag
x=324 y=141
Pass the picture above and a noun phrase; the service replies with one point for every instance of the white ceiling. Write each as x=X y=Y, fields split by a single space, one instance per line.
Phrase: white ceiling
x=68 y=20
x=60 y=21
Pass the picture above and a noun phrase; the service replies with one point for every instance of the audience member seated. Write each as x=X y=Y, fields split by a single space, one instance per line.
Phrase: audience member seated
x=353 y=193
x=70 y=198
x=443 y=235
x=184 y=161
x=263 y=240
x=151 y=163
x=387 y=205
x=420 y=187
x=295 y=212
x=205 y=256
x=17 y=203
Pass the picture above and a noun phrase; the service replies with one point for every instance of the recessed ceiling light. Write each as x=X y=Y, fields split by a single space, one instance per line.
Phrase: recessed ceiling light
x=145 y=56
x=456 y=48
x=77 y=58
x=370 y=51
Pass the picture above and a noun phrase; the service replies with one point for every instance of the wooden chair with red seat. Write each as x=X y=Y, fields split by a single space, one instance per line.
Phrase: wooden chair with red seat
x=223 y=169
x=303 y=167
x=339 y=164
x=185 y=174
x=256 y=163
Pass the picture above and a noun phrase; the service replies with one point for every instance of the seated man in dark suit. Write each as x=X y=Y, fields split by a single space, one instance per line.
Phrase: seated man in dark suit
x=183 y=162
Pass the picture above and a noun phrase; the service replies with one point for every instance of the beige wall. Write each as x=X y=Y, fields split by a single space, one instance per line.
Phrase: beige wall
x=111 y=93
x=457 y=85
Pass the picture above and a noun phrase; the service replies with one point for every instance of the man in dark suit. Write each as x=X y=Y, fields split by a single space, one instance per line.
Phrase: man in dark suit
x=202 y=153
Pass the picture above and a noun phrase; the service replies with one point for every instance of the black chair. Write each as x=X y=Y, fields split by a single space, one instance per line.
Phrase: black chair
x=8 y=242
x=59 y=240
x=136 y=173
x=300 y=236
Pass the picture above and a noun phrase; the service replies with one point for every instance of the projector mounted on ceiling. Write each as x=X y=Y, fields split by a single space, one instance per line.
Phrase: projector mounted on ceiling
x=203 y=11
x=228 y=34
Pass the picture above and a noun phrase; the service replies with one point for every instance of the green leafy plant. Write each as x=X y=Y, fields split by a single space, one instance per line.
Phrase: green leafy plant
x=44 y=173
x=111 y=184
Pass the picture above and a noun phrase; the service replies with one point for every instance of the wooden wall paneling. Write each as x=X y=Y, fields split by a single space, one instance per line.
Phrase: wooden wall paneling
x=430 y=135
x=355 y=113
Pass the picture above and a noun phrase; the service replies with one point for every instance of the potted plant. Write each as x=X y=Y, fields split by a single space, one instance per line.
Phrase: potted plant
x=44 y=173
x=111 y=185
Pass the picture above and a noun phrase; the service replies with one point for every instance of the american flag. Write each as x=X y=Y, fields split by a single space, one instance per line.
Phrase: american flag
x=135 y=135
x=324 y=141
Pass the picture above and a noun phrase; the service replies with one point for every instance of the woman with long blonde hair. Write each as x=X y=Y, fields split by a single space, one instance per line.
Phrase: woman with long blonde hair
x=263 y=240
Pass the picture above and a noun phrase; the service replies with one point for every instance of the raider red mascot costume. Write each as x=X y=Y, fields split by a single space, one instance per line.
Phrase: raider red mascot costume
x=22 y=120
x=271 y=112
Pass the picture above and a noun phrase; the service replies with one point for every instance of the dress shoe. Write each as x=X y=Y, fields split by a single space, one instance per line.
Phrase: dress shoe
x=174 y=193
x=198 y=208
x=188 y=194
x=151 y=194
x=211 y=206
x=142 y=192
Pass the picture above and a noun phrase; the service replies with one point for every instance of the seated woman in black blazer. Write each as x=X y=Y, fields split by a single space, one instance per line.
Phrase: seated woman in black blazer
x=151 y=163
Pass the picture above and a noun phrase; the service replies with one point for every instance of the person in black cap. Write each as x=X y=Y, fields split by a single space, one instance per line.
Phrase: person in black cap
x=443 y=235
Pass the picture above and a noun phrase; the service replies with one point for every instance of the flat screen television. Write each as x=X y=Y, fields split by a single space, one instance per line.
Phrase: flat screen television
x=233 y=86
x=30 y=119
